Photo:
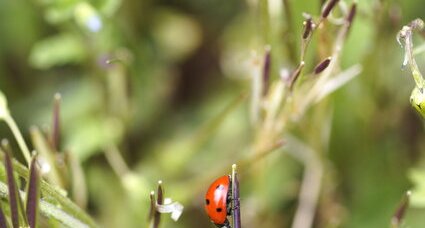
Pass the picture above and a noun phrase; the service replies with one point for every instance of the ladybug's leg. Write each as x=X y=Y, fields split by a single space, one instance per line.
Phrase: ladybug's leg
x=228 y=203
x=226 y=224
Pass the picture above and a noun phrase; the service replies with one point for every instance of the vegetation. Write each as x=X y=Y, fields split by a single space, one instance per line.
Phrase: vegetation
x=100 y=100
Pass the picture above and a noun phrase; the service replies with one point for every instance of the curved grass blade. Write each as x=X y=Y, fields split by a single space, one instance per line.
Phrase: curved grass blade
x=33 y=194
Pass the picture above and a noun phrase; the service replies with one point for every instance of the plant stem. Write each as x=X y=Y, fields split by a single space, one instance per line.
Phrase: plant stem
x=310 y=187
x=235 y=199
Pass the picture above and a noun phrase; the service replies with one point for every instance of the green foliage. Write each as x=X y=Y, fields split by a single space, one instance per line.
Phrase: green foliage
x=180 y=90
x=57 y=51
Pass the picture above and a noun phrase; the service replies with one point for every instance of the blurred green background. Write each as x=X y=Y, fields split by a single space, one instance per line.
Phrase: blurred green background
x=167 y=103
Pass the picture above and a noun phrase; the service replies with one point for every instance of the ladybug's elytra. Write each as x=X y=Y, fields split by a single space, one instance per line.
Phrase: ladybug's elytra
x=217 y=201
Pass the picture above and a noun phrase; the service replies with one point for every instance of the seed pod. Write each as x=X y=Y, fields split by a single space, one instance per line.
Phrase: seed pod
x=327 y=9
x=308 y=26
x=322 y=65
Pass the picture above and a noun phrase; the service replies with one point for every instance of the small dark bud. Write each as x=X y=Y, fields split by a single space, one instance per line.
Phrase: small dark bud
x=328 y=8
x=322 y=65
x=308 y=26
x=266 y=70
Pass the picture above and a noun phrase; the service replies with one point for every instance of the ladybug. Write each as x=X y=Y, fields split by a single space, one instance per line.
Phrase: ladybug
x=217 y=201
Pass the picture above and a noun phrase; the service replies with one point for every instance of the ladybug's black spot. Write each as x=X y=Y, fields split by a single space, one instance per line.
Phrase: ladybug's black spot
x=219 y=209
x=207 y=201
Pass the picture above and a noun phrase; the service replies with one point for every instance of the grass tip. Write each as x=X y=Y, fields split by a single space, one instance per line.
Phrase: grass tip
x=234 y=166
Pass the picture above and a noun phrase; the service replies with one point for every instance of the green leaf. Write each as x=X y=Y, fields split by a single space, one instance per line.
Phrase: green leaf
x=58 y=50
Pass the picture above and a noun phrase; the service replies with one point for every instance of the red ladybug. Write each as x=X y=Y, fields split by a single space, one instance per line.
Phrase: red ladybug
x=217 y=201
